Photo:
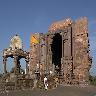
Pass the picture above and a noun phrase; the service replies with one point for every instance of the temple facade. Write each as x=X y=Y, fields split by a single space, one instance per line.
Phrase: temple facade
x=63 y=50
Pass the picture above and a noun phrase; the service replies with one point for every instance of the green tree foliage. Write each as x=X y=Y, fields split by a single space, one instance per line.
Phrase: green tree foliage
x=92 y=80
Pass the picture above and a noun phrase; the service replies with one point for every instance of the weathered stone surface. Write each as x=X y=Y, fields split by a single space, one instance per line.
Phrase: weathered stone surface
x=16 y=52
x=74 y=61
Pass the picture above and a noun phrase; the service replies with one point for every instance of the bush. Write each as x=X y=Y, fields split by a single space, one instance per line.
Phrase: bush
x=92 y=80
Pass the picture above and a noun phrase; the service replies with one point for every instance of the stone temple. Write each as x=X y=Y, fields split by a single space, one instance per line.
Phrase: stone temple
x=63 y=51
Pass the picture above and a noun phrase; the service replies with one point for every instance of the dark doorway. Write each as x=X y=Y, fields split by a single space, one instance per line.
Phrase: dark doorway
x=56 y=49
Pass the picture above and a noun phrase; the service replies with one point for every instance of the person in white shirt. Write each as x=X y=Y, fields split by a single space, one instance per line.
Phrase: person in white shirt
x=45 y=82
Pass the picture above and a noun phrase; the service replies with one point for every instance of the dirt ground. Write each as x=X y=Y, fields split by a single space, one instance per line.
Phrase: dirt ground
x=59 y=91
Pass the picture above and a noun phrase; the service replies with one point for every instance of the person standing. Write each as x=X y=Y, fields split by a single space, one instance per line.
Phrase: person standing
x=46 y=83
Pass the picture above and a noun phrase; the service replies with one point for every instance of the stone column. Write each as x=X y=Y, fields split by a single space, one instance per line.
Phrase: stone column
x=27 y=63
x=15 y=62
x=18 y=66
x=4 y=62
x=27 y=69
x=62 y=61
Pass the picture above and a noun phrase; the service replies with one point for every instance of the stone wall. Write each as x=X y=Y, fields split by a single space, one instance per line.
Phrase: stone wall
x=37 y=53
x=75 y=60
x=81 y=50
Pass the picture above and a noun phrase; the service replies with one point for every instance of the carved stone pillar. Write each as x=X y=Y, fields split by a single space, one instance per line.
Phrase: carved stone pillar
x=4 y=62
x=27 y=69
x=18 y=66
x=27 y=63
x=15 y=62
x=51 y=68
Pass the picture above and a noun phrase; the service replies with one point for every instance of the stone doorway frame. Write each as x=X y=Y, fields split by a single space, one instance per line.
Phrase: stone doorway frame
x=16 y=55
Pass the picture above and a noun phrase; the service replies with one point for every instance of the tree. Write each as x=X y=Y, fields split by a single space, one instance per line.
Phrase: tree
x=92 y=80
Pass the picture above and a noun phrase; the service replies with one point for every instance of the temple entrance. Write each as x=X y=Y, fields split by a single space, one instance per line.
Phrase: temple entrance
x=56 y=49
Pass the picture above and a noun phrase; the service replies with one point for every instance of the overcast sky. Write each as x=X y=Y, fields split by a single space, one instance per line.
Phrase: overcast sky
x=24 y=17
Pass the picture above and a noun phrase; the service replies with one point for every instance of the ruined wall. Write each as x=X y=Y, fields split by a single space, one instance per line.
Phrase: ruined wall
x=34 y=53
x=81 y=50
x=64 y=28
x=37 y=53
x=75 y=60
x=43 y=50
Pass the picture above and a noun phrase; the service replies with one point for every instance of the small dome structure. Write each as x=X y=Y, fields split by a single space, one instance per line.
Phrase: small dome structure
x=16 y=43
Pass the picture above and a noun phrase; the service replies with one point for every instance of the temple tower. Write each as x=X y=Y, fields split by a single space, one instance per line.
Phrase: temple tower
x=63 y=50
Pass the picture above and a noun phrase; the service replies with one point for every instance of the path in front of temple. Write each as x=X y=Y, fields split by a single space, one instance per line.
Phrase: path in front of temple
x=59 y=91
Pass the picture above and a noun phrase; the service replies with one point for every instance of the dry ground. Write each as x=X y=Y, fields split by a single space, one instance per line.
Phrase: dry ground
x=59 y=91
